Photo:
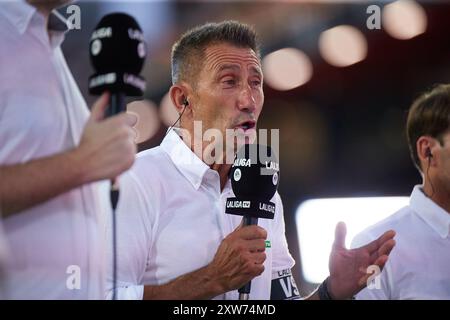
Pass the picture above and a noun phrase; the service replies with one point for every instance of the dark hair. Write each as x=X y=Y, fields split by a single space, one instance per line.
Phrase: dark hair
x=429 y=115
x=188 y=51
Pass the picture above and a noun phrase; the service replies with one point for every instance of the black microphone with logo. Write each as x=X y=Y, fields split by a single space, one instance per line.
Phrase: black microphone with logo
x=117 y=53
x=255 y=175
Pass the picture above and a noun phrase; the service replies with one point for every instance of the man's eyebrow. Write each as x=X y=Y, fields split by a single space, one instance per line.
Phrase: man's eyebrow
x=234 y=67
x=256 y=70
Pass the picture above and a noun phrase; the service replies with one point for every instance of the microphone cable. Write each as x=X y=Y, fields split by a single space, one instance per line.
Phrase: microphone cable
x=114 y=195
x=429 y=179
x=179 y=118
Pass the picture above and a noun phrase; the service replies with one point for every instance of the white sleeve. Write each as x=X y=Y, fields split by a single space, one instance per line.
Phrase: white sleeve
x=133 y=240
x=281 y=259
x=379 y=289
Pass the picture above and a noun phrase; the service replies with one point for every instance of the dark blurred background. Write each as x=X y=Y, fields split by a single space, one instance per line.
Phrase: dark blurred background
x=341 y=132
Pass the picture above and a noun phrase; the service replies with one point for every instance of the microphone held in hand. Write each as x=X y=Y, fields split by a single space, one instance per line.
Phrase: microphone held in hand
x=117 y=52
x=255 y=176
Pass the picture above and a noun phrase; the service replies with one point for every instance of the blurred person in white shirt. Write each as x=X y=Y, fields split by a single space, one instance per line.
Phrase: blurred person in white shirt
x=56 y=160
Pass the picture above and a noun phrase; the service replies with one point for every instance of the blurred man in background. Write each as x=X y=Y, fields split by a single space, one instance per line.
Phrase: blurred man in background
x=418 y=268
x=174 y=239
x=51 y=152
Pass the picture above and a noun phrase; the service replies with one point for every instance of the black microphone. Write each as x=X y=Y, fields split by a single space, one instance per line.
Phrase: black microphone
x=117 y=52
x=255 y=176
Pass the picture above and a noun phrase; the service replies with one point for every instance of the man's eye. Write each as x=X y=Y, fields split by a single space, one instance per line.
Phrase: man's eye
x=256 y=83
x=229 y=82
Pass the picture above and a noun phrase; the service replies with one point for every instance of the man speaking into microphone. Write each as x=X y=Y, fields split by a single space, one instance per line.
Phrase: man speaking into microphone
x=53 y=154
x=174 y=239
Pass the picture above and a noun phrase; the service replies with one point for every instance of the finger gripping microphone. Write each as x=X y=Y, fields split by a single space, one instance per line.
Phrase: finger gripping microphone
x=255 y=176
x=117 y=53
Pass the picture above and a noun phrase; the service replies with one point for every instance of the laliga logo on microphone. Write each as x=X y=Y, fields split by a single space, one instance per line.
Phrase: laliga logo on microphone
x=107 y=32
x=254 y=179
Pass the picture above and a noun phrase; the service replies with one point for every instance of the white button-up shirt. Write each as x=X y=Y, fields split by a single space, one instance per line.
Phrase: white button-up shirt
x=56 y=248
x=419 y=265
x=171 y=221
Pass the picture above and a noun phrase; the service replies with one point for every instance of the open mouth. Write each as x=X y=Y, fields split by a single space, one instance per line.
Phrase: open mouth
x=246 y=125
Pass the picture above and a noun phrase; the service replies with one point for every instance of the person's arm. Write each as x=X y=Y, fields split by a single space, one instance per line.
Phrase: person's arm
x=199 y=284
x=238 y=260
x=313 y=296
x=28 y=184
x=106 y=149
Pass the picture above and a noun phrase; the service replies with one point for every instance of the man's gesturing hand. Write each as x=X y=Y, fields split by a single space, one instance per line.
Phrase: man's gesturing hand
x=348 y=268
x=239 y=258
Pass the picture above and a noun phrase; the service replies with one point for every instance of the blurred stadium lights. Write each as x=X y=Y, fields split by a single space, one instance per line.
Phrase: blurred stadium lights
x=343 y=46
x=167 y=111
x=404 y=19
x=316 y=221
x=286 y=69
x=148 y=119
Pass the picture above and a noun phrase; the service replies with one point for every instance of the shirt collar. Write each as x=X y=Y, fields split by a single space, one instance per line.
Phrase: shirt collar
x=435 y=216
x=186 y=161
x=18 y=13
x=21 y=15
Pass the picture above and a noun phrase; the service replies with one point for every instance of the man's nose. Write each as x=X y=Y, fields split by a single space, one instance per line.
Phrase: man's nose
x=246 y=100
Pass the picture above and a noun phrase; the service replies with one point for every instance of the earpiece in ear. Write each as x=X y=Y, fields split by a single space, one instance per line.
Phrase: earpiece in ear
x=185 y=102
x=428 y=153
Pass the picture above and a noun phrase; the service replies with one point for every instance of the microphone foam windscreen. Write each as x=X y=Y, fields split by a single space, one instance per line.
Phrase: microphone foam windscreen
x=117 y=45
x=255 y=172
